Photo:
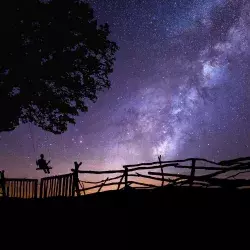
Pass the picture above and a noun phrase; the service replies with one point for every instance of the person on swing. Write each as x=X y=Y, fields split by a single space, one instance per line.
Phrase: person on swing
x=42 y=164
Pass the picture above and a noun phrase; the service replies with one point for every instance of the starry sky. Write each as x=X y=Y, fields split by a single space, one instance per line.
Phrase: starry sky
x=180 y=88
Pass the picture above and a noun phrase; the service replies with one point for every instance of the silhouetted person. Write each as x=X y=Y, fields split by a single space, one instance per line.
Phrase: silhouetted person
x=42 y=164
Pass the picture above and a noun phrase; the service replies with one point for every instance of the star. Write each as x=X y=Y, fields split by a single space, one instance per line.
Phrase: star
x=180 y=85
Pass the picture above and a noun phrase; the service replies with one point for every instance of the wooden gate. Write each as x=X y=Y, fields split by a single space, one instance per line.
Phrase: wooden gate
x=59 y=185
x=21 y=188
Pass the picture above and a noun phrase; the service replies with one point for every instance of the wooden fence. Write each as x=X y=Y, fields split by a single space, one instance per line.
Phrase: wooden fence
x=194 y=172
x=55 y=186
x=130 y=175
x=21 y=188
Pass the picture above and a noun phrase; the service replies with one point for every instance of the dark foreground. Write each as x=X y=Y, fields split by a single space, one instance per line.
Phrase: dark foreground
x=126 y=215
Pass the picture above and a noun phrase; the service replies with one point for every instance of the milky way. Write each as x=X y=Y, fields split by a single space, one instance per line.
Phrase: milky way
x=180 y=88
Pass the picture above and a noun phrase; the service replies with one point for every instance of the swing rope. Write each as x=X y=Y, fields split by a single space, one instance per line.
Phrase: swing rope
x=48 y=146
x=32 y=138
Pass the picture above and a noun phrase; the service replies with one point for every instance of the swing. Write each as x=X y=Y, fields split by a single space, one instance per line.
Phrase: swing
x=41 y=163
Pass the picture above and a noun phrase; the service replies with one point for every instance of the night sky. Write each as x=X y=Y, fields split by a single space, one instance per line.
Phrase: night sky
x=180 y=88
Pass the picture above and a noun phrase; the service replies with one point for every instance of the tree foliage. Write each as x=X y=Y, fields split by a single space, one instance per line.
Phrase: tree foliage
x=53 y=58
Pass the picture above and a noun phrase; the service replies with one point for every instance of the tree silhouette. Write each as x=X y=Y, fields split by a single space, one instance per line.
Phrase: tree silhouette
x=54 y=57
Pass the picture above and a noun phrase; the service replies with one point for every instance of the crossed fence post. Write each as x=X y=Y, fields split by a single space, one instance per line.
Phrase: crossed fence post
x=76 y=179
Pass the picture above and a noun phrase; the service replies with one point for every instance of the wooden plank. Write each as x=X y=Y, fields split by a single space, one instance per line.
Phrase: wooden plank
x=73 y=187
x=66 y=185
x=7 y=191
x=45 y=187
x=14 y=188
x=70 y=185
x=18 y=189
x=23 y=188
x=60 y=186
x=49 y=188
x=35 y=188
x=57 y=186
x=32 y=189
x=53 y=187
x=41 y=189
x=63 y=186
x=28 y=189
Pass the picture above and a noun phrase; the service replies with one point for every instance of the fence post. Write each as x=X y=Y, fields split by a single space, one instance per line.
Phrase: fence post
x=3 y=183
x=35 y=189
x=126 y=176
x=162 y=176
x=76 y=179
x=192 y=172
x=41 y=188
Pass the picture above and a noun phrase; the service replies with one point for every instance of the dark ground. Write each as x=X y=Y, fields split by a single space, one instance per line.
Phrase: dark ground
x=183 y=215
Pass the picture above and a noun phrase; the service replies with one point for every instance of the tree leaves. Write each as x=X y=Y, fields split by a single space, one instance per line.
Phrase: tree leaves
x=56 y=56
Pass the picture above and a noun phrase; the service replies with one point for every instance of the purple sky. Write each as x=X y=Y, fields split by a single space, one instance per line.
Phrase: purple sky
x=180 y=88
